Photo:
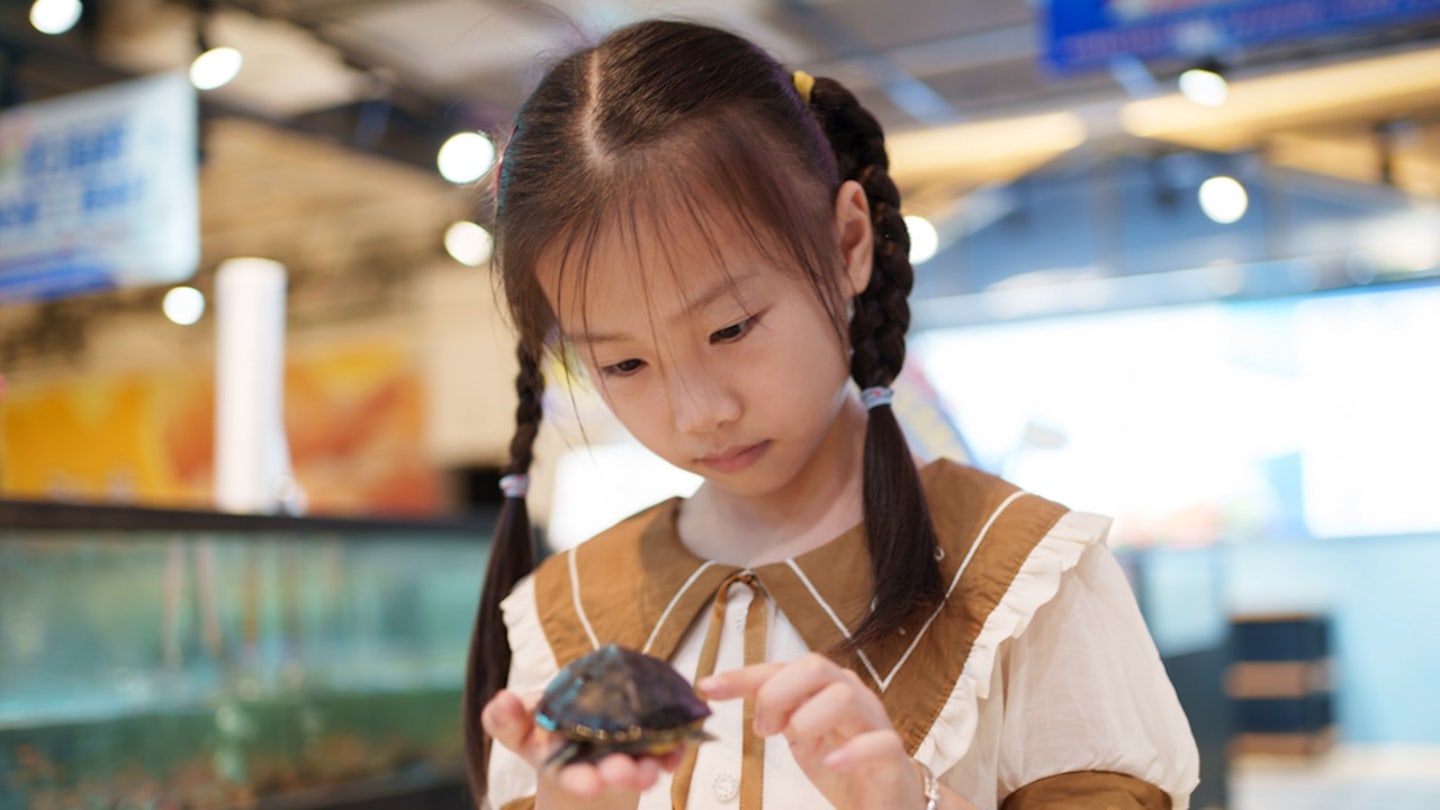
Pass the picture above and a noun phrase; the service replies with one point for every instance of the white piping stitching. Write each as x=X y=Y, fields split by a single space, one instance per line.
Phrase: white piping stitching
x=579 y=608
x=865 y=659
x=979 y=538
x=673 y=600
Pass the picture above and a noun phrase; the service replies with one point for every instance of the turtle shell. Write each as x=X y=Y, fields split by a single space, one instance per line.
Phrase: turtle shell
x=616 y=700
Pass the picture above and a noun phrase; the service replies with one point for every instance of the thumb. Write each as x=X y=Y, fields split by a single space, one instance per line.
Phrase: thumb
x=507 y=720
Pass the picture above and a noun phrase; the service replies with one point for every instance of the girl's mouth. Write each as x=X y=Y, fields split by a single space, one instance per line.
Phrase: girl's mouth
x=735 y=459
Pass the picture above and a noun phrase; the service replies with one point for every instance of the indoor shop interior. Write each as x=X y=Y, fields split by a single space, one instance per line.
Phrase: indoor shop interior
x=1175 y=262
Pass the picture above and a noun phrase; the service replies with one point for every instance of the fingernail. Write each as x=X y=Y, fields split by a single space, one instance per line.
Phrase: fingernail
x=836 y=759
x=709 y=683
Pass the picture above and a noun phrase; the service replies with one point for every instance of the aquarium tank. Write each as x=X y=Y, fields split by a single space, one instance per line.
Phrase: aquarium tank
x=155 y=659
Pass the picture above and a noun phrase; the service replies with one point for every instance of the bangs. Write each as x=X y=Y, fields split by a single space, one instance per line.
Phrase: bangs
x=716 y=179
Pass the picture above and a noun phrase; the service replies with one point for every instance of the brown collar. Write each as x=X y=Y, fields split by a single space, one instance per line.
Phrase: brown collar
x=637 y=585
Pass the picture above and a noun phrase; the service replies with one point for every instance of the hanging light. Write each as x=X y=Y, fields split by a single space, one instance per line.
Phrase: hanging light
x=924 y=240
x=215 y=67
x=1205 y=85
x=55 y=16
x=184 y=305
x=1223 y=199
x=468 y=243
x=465 y=157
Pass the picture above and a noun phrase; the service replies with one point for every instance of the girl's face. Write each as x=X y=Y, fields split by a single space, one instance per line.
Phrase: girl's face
x=714 y=357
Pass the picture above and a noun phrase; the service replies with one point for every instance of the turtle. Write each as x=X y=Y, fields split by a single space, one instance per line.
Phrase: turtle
x=618 y=700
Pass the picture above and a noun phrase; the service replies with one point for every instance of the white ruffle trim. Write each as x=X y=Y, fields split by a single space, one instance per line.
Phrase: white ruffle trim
x=532 y=662
x=532 y=665
x=1035 y=584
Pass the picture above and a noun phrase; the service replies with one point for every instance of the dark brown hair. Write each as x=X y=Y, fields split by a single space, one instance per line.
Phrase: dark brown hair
x=638 y=128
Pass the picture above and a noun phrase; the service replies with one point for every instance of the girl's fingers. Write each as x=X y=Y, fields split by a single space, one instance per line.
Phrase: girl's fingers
x=507 y=720
x=738 y=683
x=623 y=771
x=582 y=780
x=867 y=748
x=616 y=771
x=834 y=709
x=646 y=772
x=791 y=687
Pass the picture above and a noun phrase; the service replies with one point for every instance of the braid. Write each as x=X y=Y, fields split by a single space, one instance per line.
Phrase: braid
x=901 y=538
x=512 y=556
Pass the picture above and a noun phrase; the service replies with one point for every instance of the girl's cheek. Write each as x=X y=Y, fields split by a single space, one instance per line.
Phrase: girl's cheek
x=625 y=397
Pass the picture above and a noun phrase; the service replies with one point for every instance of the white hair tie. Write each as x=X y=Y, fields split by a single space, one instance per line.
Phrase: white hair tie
x=873 y=398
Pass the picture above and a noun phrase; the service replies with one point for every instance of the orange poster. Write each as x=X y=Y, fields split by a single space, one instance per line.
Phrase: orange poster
x=353 y=416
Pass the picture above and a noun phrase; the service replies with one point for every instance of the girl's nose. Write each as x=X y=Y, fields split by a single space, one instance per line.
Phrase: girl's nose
x=702 y=402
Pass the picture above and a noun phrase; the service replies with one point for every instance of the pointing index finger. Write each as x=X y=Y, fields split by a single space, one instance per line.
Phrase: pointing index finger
x=738 y=683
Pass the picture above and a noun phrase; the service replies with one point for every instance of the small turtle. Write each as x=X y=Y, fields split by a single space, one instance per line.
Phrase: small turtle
x=616 y=700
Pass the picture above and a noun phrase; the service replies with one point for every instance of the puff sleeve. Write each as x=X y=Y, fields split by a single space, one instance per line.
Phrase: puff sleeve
x=1090 y=717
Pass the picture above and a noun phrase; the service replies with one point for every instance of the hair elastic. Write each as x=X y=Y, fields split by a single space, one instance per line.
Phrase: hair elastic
x=515 y=486
x=804 y=83
x=873 y=398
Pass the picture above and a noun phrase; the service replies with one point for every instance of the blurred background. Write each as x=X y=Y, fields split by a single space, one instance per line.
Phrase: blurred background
x=1177 y=262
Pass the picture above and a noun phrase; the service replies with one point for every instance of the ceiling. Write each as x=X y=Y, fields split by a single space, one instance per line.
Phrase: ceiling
x=397 y=76
x=956 y=83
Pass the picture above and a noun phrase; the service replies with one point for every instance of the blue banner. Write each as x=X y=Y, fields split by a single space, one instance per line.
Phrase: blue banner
x=99 y=190
x=1086 y=34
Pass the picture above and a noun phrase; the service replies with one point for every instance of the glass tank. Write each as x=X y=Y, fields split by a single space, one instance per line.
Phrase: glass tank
x=182 y=660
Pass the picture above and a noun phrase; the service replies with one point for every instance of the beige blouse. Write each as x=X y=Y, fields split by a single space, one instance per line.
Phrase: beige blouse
x=1034 y=685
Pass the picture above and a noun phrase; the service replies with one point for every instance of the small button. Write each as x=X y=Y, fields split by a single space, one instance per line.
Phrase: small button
x=727 y=787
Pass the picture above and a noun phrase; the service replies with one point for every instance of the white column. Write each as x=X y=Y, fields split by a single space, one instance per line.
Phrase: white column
x=252 y=466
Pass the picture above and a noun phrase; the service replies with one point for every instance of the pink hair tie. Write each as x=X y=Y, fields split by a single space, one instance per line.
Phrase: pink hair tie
x=873 y=398
x=515 y=486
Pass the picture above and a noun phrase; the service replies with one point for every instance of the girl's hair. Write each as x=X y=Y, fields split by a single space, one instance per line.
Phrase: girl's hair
x=632 y=134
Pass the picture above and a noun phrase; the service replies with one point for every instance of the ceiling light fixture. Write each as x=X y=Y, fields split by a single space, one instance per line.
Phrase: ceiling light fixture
x=465 y=157
x=1205 y=85
x=55 y=17
x=213 y=67
x=184 y=305
x=924 y=240
x=468 y=243
x=1223 y=199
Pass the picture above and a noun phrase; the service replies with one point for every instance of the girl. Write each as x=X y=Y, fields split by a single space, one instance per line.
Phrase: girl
x=717 y=241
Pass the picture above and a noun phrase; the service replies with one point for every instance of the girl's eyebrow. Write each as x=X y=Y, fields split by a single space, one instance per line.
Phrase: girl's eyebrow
x=729 y=285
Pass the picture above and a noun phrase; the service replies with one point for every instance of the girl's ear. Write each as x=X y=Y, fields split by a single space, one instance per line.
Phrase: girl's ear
x=852 y=227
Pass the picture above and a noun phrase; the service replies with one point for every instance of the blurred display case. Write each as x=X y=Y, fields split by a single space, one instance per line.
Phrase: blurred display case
x=156 y=659
x=1181 y=594
x=1281 y=683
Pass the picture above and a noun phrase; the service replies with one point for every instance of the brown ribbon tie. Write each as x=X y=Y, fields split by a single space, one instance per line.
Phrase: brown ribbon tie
x=752 y=751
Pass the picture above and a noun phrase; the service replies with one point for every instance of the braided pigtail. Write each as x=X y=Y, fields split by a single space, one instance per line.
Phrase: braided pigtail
x=512 y=556
x=901 y=538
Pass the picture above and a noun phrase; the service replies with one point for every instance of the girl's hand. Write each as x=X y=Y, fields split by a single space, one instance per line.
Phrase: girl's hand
x=837 y=729
x=509 y=719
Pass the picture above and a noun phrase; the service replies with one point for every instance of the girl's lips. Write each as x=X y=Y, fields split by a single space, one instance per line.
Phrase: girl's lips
x=735 y=459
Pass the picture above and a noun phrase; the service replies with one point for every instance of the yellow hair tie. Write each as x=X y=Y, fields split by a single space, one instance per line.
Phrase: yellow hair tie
x=804 y=83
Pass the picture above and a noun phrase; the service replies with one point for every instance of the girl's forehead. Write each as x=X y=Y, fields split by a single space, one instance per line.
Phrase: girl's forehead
x=669 y=266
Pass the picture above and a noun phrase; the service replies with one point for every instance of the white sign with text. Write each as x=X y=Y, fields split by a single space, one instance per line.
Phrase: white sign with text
x=99 y=190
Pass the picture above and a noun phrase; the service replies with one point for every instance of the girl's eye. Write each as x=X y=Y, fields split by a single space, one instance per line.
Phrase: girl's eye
x=733 y=332
x=624 y=368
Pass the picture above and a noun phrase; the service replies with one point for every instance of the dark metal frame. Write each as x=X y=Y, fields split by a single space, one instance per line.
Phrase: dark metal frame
x=61 y=516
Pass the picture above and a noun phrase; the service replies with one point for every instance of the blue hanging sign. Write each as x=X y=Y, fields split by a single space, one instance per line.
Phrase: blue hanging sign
x=99 y=190
x=1086 y=34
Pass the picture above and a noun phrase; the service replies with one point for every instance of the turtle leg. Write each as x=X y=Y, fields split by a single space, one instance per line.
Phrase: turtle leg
x=571 y=752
